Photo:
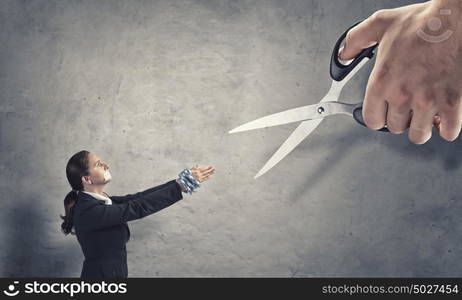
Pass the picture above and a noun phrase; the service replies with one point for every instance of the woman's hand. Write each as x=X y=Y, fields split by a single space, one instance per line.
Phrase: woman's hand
x=202 y=174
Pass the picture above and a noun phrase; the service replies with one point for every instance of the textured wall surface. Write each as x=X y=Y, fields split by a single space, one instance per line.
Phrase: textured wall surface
x=155 y=86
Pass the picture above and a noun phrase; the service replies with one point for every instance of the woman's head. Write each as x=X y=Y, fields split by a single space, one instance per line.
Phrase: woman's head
x=97 y=172
x=84 y=171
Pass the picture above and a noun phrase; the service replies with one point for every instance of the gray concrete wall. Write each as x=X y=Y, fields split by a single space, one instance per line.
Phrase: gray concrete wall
x=154 y=86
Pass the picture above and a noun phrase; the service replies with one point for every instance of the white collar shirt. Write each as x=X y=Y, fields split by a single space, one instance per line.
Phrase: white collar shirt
x=107 y=200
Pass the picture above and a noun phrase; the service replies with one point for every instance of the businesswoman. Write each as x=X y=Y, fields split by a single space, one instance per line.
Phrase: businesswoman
x=100 y=220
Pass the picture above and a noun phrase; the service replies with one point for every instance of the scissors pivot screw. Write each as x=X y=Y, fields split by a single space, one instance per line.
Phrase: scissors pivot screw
x=320 y=110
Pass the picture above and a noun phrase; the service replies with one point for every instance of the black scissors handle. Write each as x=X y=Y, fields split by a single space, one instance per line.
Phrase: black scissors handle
x=339 y=71
x=358 y=116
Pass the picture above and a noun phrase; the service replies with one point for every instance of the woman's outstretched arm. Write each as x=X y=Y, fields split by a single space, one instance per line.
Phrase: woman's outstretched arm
x=121 y=199
x=93 y=215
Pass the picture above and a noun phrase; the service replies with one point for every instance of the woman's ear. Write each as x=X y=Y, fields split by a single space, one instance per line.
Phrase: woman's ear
x=86 y=179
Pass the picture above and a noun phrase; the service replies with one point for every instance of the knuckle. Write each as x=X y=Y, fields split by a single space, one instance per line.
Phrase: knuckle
x=419 y=136
x=448 y=138
x=417 y=141
x=395 y=130
x=400 y=101
x=425 y=104
x=430 y=94
x=448 y=135
x=382 y=73
x=371 y=120
x=452 y=103
x=395 y=126
x=348 y=37
x=452 y=98
x=399 y=105
x=373 y=125
x=379 y=16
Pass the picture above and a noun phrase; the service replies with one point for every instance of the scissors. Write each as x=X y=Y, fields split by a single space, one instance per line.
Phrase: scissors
x=312 y=115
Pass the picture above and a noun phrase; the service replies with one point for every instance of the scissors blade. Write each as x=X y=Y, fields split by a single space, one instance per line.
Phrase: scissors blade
x=297 y=136
x=284 y=117
x=309 y=112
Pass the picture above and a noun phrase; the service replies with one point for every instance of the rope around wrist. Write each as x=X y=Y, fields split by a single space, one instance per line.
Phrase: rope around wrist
x=189 y=183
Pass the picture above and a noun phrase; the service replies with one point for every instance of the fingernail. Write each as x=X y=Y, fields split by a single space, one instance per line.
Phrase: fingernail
x=340 y=52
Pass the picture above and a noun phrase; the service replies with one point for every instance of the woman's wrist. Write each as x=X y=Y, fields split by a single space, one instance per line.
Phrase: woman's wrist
x=181 y=185
x=187 y=181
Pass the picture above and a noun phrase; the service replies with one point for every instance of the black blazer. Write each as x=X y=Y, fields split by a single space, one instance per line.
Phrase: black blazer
x=102 y=230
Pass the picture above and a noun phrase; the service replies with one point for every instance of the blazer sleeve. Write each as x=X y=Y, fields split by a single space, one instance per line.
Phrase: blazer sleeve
x=121 y=199
x=96 y=215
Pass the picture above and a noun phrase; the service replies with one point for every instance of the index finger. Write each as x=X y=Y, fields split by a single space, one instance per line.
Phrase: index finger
x=205 y=169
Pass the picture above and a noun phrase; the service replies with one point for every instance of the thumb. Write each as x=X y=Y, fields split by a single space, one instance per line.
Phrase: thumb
x=364 y=35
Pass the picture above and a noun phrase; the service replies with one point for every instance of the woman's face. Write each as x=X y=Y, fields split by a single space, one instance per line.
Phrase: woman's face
x=98 y=171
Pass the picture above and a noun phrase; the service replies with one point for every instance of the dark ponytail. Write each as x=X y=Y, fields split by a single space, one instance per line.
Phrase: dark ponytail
x=77 y=166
